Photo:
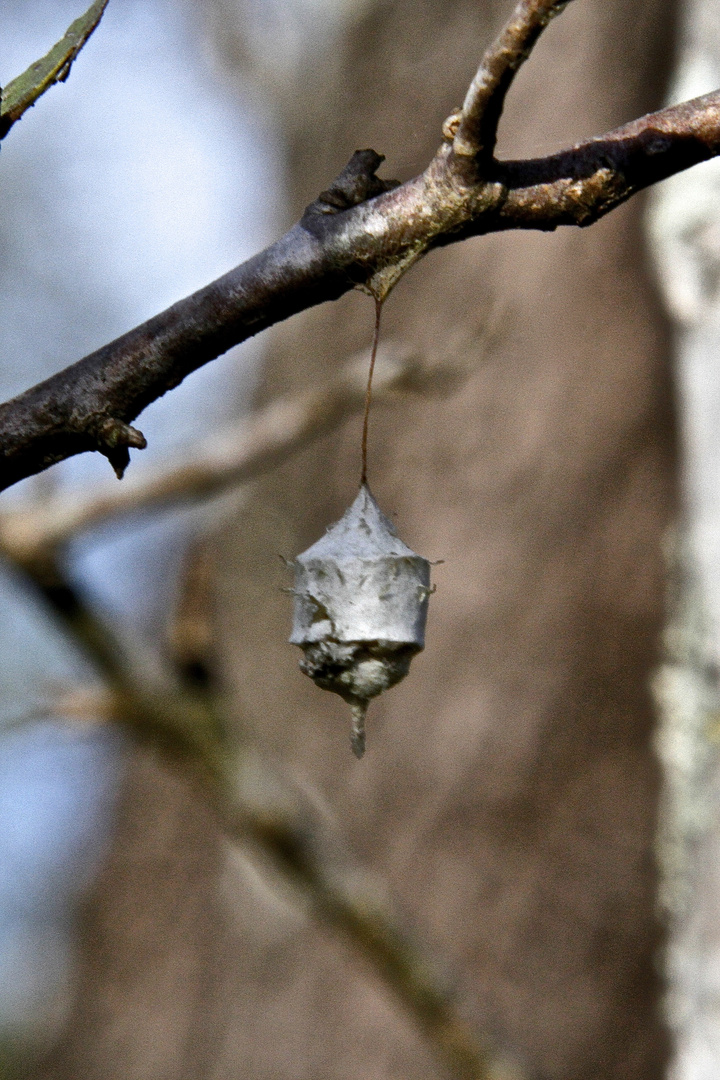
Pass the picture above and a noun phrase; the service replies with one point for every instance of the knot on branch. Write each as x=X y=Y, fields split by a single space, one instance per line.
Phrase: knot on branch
x=355 y=184
x=115 y=438
x=451 y=125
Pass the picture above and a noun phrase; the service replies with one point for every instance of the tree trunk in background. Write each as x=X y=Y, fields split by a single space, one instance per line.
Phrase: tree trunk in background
x=508 y=796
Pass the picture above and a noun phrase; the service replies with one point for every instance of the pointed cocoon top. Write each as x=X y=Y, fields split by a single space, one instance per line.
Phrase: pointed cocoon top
x=361 y=598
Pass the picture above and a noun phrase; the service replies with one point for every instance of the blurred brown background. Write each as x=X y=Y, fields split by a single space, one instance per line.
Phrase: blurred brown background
x=508 y=799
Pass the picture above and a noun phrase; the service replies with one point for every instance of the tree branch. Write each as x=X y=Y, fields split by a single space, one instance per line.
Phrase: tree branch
x=578 y=186
x=22 y=93
x=474 y=128
x=362 y=232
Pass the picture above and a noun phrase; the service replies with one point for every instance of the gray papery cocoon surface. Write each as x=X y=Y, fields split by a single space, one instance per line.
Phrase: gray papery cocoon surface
x=361 y=598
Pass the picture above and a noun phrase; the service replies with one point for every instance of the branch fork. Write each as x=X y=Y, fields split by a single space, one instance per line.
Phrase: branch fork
x=361 y=232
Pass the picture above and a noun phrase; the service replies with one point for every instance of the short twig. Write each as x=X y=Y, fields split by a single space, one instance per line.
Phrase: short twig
x=474 y=129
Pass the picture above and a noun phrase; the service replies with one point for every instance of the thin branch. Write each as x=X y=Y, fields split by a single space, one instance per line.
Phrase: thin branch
x=474 y=128
x=333 y=249
x=21 y=93
x=580 y=185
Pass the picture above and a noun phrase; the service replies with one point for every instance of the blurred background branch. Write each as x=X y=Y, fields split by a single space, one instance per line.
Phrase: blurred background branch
x=184 y=720
x=33 y=533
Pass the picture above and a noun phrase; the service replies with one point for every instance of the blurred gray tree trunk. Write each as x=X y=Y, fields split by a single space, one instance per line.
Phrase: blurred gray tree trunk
x=508 y=797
